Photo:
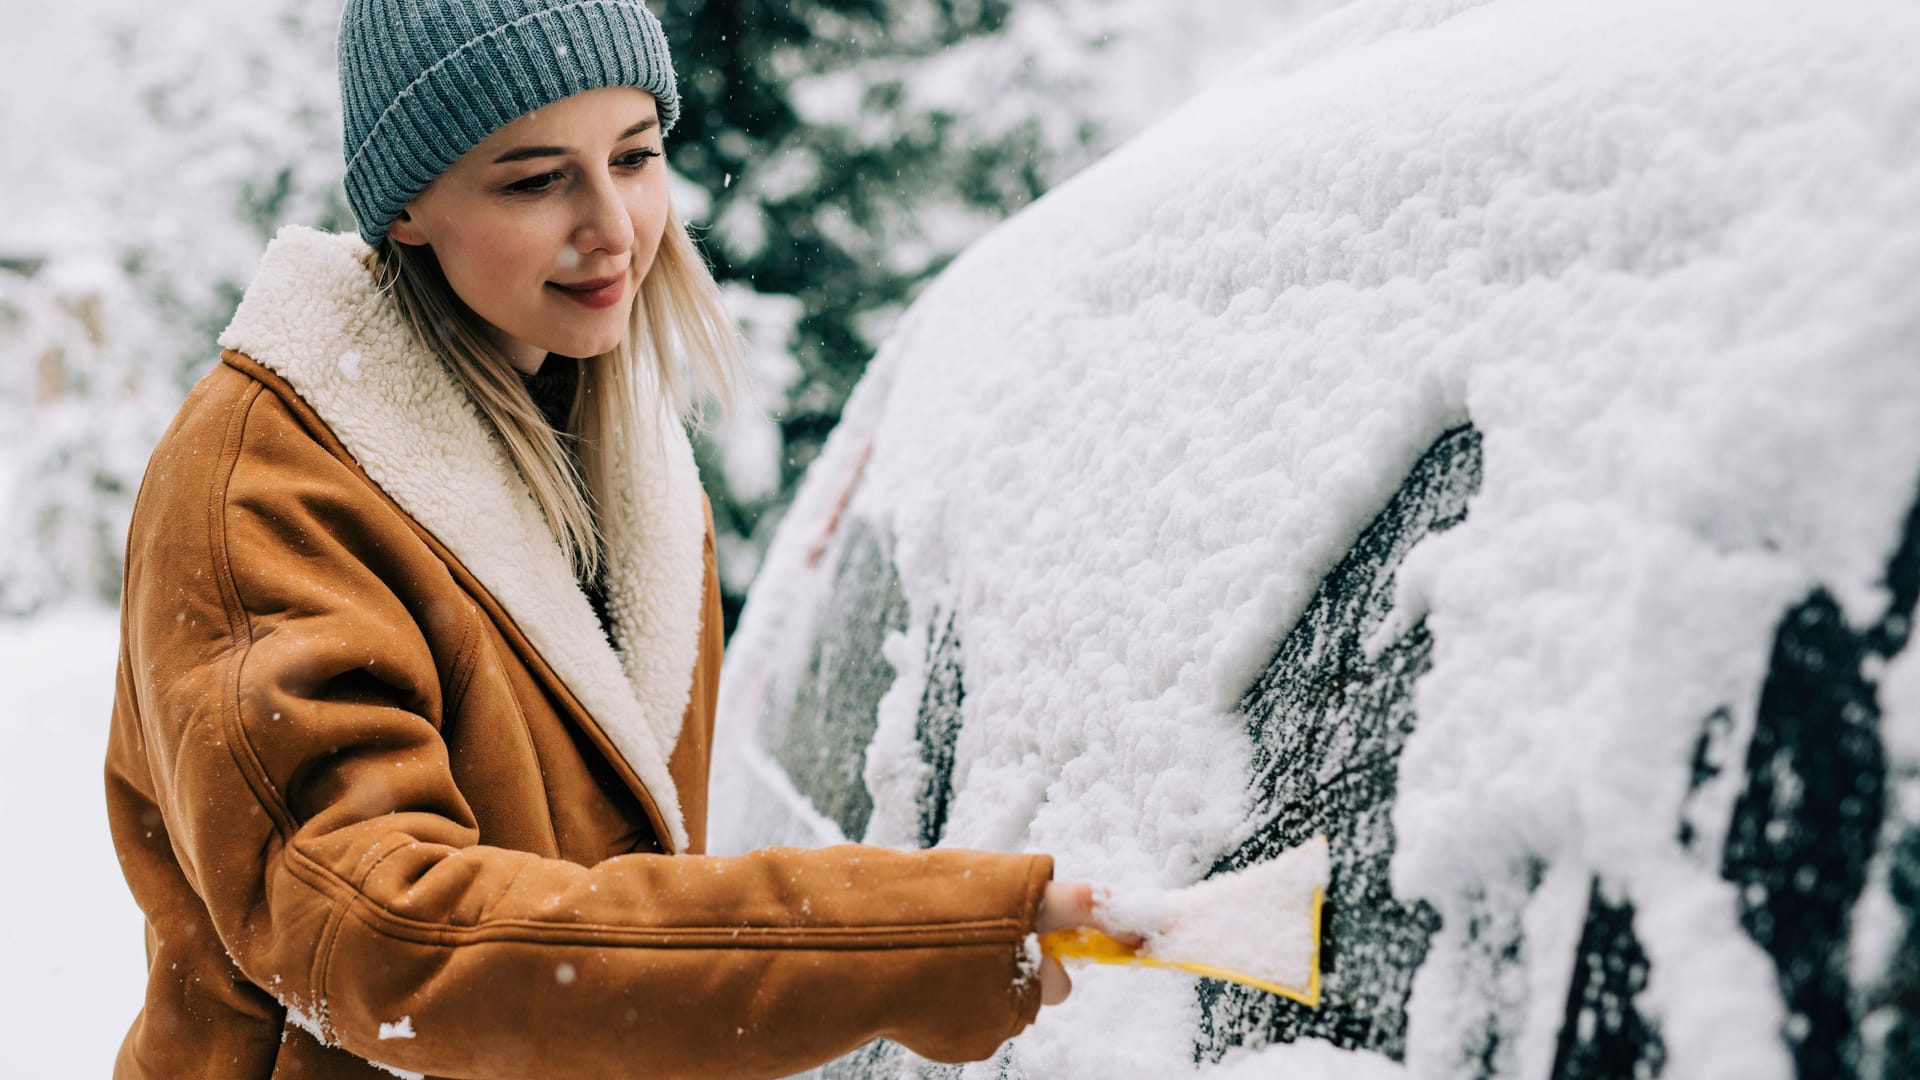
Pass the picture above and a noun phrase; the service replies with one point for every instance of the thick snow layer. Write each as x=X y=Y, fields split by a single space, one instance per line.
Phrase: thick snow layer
x=1666 y=259
x=73 y=953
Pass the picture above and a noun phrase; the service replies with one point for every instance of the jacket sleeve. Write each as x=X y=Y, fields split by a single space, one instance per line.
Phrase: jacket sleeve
x=289 y=708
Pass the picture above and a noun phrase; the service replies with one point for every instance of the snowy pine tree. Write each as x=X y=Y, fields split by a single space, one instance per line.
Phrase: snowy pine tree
x=834 y=154
x=224 y=127
x=853 y=149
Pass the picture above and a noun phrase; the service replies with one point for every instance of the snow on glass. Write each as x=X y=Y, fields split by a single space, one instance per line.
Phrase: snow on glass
x=1662 y=261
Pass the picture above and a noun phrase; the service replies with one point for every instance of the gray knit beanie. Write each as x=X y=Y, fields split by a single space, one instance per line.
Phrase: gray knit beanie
x=423 y=81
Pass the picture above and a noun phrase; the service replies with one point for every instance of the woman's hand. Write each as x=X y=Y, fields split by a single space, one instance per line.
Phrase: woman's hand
x=1066 y=905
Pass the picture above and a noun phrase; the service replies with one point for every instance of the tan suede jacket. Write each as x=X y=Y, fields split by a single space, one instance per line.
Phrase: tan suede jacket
x=392 y=802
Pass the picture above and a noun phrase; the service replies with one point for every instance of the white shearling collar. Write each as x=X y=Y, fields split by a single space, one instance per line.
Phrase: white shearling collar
x=314 y=316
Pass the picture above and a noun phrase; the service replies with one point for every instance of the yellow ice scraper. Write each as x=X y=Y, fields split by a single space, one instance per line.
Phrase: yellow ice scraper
x=1259 y=926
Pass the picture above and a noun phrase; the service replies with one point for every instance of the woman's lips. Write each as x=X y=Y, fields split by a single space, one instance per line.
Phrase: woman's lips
x=596 y=293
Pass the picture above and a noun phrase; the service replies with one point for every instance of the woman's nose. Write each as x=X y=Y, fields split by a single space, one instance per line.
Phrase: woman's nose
x=603 y=223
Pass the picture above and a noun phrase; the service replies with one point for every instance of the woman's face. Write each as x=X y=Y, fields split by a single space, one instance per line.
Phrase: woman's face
x=546 y=228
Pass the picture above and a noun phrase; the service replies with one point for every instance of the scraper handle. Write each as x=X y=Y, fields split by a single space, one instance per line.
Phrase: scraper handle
x=1093 y=946
x=1085 y=943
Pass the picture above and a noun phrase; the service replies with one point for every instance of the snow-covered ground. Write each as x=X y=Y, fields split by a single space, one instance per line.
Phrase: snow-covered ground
x=72 y=957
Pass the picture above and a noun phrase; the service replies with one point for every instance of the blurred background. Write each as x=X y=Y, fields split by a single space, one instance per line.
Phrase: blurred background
x=833 y=155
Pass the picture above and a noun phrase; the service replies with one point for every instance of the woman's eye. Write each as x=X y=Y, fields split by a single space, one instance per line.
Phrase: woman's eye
x=533 y=185
x=637 y=158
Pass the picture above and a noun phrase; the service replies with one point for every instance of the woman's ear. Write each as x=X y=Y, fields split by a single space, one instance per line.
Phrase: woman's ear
x=406 y=229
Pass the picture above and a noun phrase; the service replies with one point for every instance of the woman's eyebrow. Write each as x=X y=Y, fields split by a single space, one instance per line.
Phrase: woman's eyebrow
x=525 y=152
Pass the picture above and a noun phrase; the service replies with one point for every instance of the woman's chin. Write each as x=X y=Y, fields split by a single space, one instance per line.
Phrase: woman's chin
x=582 y=346
x=601 y=333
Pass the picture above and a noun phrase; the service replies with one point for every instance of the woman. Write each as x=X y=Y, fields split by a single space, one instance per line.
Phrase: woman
x=421 y=634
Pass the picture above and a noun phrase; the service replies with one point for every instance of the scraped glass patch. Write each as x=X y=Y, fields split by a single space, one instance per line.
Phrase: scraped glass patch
x=1809 y=821
x=1492 y=977
x=1889 y=1007
x=937 y=726
x=822 y=739
x=1603 y=1036
x=1892 y=1009
x=1328 y=724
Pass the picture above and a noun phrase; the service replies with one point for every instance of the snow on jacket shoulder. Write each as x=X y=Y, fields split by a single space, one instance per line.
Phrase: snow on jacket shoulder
x=386 y=793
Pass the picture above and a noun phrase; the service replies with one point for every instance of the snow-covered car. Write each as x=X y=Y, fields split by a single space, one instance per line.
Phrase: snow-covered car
x=1486 y=434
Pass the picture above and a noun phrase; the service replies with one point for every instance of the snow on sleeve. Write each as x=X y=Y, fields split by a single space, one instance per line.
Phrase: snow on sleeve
x=1028 y=967
x=399 y=1029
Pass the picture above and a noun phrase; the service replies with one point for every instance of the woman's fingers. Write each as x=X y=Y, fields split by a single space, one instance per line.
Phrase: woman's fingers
x=1055 y=985
x=1064 y=906
x=1070 y=904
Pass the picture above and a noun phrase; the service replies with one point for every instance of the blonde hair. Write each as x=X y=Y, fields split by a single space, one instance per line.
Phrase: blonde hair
x=679 y=349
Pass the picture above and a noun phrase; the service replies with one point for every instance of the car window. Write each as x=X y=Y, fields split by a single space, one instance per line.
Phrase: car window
x=1809 y=824
x=1602 y=1033
x=821 y=737
x=1806 y=834
x=1327 y=725
x=938 y=725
